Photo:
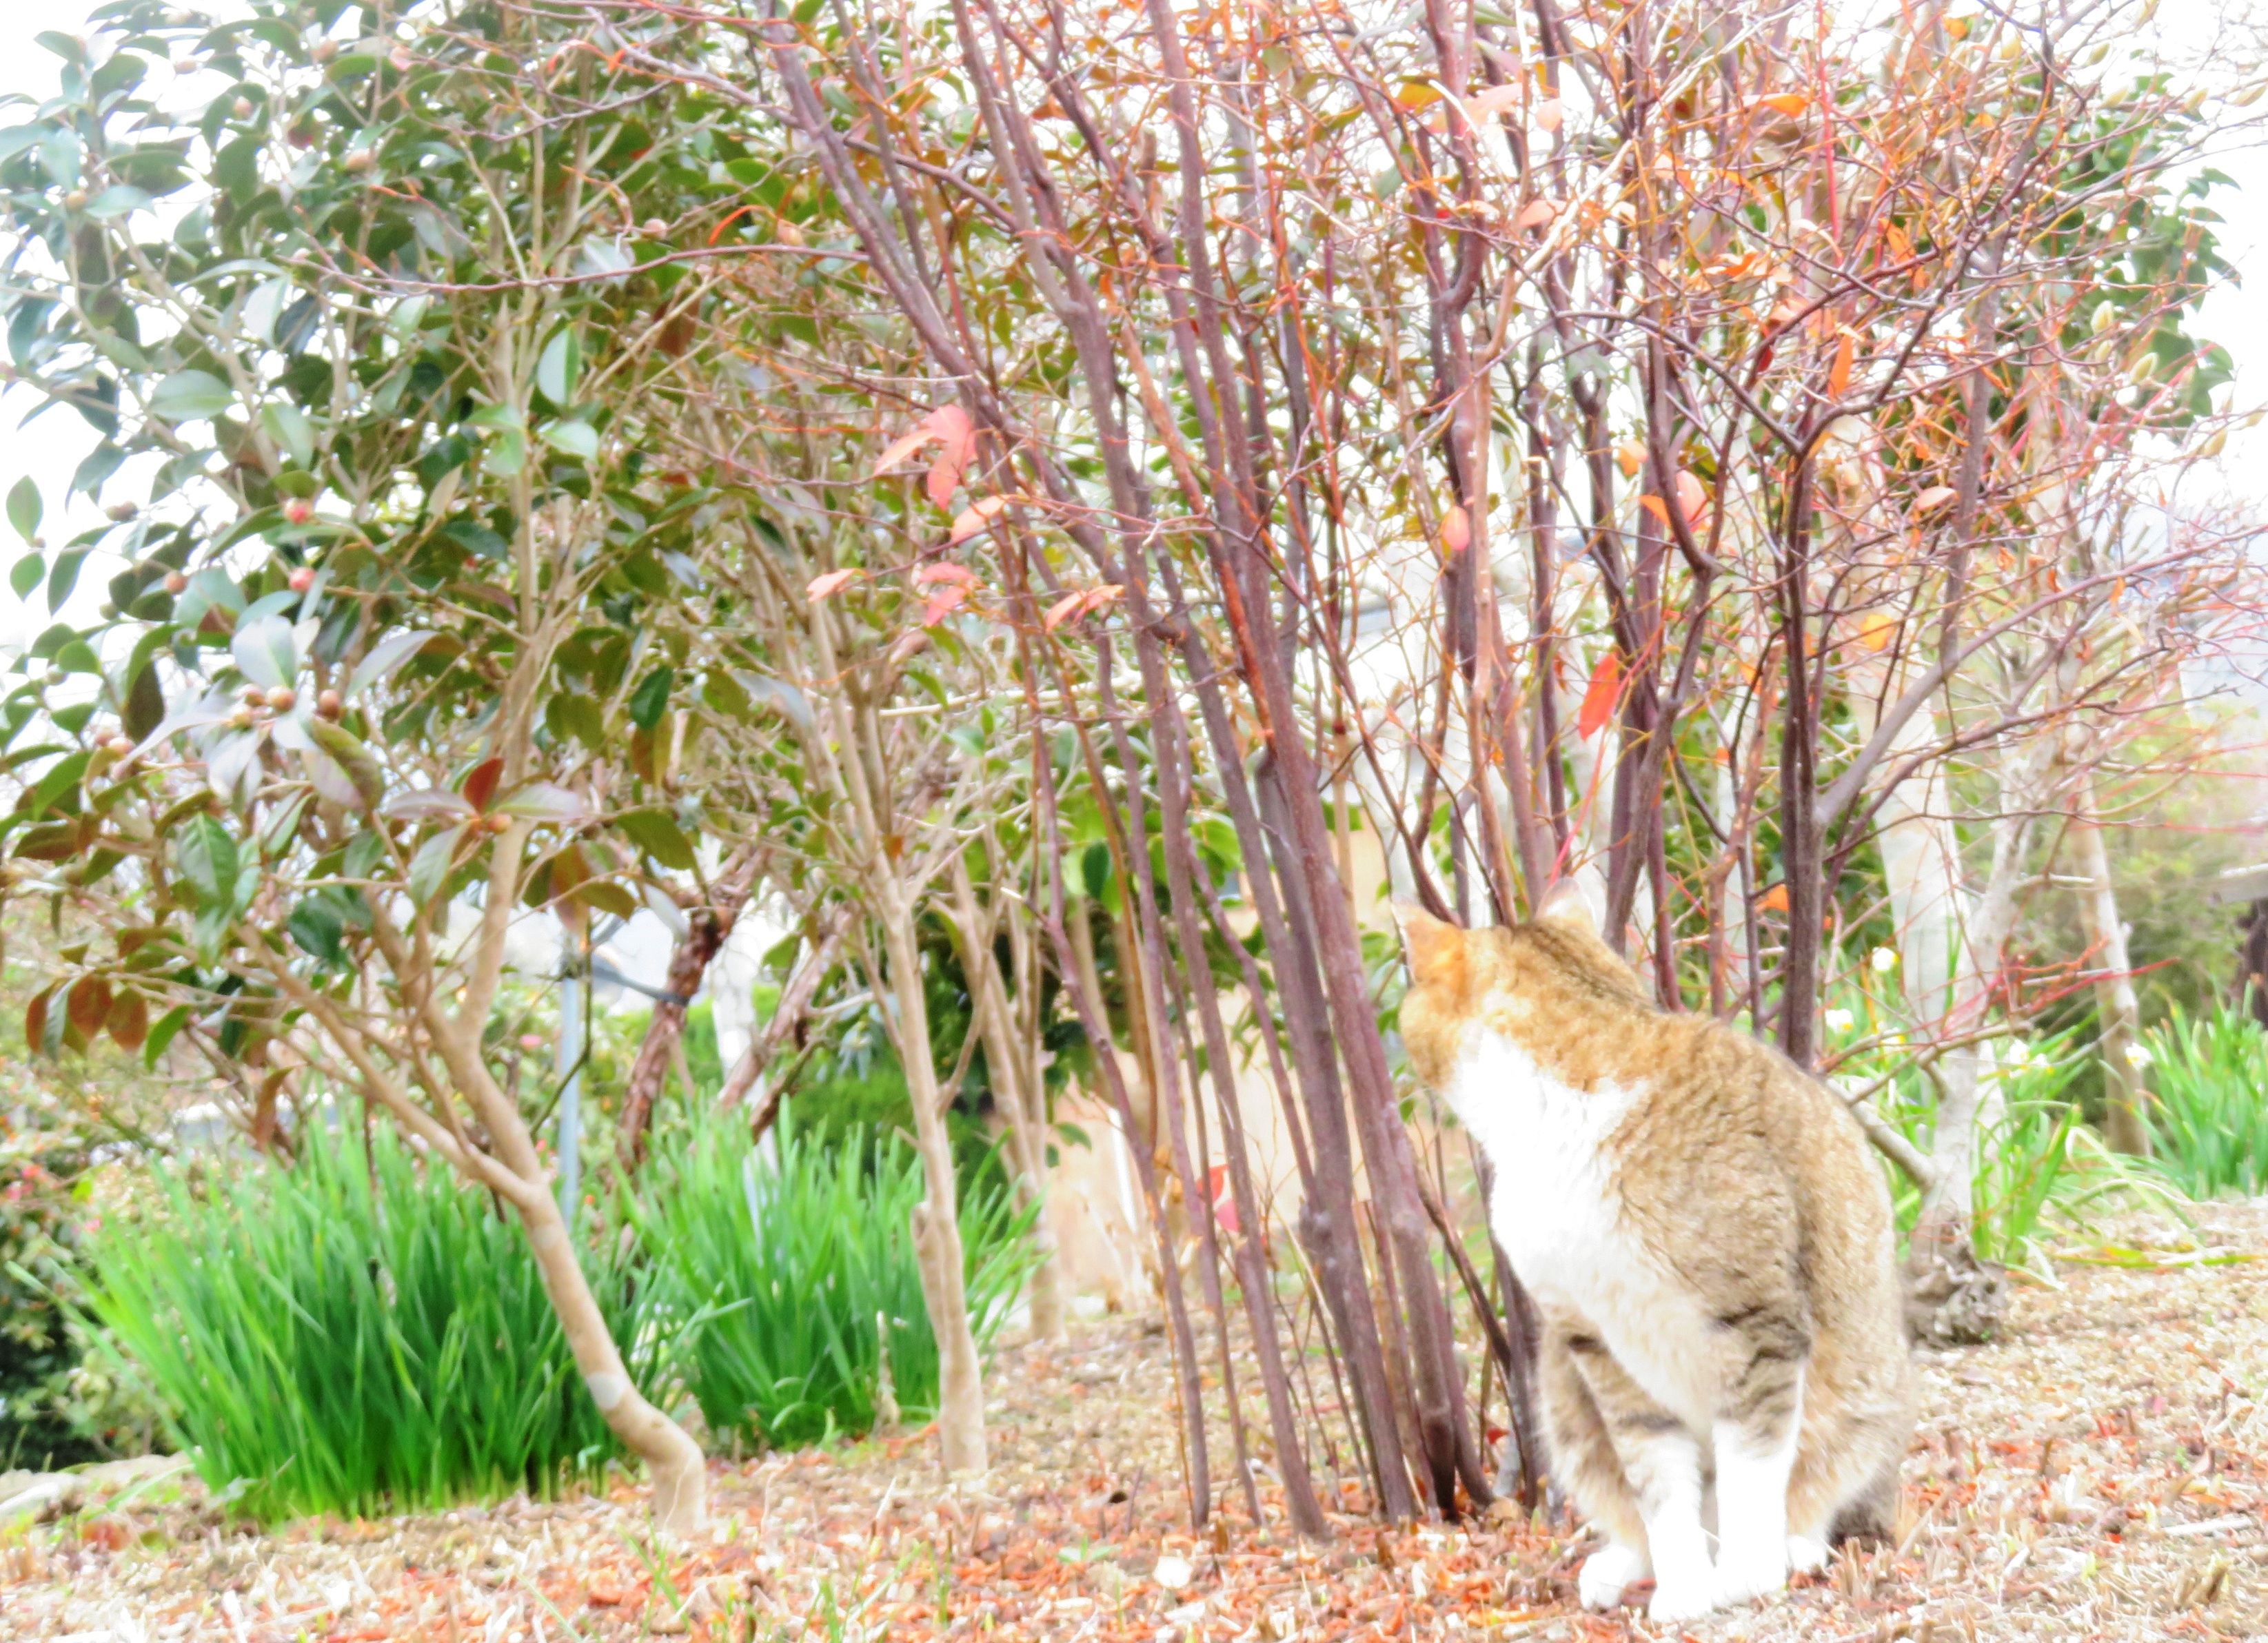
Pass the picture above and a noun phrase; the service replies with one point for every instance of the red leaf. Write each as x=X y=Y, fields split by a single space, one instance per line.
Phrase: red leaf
x=950 y=424
x=940 y=604
x=1535 y=214
x=1456 y=531
x=480 y=786
x=1606 y=688
x=1061 y=610
x=1224 y=1201
x=1692 y=498
x=946 y=570
x=833 y=582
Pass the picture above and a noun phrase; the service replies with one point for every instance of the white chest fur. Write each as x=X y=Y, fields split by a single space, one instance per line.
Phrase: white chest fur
x=1556 y=1212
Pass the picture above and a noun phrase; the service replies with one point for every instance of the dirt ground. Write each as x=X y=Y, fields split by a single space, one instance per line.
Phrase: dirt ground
x=2098 y=1474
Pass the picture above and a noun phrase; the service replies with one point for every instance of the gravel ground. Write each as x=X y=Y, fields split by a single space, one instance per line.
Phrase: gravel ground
x=2095 y=1475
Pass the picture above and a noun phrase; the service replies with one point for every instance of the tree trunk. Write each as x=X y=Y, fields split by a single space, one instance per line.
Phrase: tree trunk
x=673 y=1459
x=706 y=929
x=1021 y=1102
x=794 y=1004
x=937 y=1218
x=2127 y=1096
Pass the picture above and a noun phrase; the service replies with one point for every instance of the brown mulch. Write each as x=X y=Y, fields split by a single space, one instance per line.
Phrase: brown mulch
x=2095 y=1475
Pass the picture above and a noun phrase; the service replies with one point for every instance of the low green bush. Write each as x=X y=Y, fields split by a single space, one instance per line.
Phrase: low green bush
x=783 y=1279
x=2210 y=1118
x=356 y=1333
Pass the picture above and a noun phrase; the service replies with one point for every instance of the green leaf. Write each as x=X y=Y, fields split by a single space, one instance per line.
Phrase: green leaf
x=507 y=453
x=117 y=201
x=162 y=1034
x=352 y=757
x=25 y=508
x=542 y=802
x=655 y=833
x=206 y=855
x=26 y=575
x=649 y=700
x=376 y=668
x=317 y=926
x=576 y=439
x=561 y=367
x=62 y=777
x=266 y=651
x=189 y=396
x=289 y=427
x=431 y=865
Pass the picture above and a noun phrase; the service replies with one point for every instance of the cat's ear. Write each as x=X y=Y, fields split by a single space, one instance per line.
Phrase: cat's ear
x=1437 y=950
x=1564 y=902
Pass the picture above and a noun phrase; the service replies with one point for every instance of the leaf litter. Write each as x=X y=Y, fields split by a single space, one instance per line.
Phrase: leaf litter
x=2096 y=1474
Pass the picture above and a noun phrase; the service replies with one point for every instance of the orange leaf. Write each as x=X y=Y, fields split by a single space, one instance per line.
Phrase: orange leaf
x=946 y=570
x=974 y=519
x=1456 y=531
x=1935 y=497
x=1692 y=498
x=1547 y=113
x=1630 y=457
x=1659 y=509
x=1598 y=701
x=1416 y=94
x=833 y=582
x=1535 y=214
x=1494 y=100
x=1773 y=900
x=1788 y=103
x=1874 y=630
x=904 y=446
x=1838 y=374
x=1075 y=604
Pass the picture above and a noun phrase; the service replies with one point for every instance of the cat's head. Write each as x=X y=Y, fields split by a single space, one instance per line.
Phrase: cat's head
x=1536 y=983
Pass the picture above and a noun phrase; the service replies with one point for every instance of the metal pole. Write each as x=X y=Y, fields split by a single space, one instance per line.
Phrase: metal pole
x=574 y=1029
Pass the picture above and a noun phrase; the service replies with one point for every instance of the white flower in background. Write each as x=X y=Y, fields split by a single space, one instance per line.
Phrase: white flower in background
x=1840 y=1020
x=1893 y=1041
x=1884 y=960
x=2018 y=1054
x=2138 y=1055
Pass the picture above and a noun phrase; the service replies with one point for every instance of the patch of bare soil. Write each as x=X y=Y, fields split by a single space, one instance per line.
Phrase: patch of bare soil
x=2096 y=1475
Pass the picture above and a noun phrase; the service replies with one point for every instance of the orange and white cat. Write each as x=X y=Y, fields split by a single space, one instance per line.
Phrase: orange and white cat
x=1710 y=1244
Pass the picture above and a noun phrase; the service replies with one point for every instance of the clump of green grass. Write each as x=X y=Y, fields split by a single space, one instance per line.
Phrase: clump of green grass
x=2209 y=1117
x=2038 y=1163
x=358 y=1333
x=783 y=1279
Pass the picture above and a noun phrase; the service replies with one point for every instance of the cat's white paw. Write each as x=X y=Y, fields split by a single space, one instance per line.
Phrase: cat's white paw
x=1746 y=1572
x=1608 y=1573
x=1683 y=1598
x=1806 y=1554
